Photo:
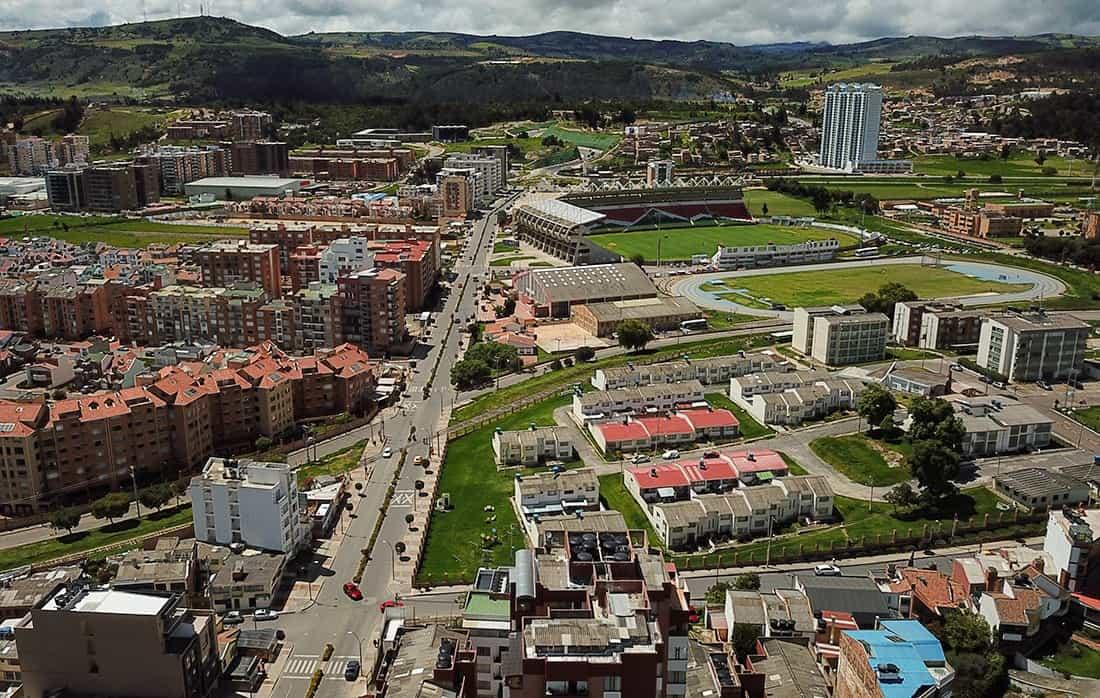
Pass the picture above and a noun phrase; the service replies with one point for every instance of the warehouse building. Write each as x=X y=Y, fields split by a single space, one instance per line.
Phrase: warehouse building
x=242 y=188
x=554 y=292
x=660 y=314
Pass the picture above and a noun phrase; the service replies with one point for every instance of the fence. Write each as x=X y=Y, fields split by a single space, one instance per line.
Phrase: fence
x=183 y=531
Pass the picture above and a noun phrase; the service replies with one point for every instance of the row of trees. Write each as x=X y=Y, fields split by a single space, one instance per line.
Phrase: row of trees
x=115 y=505
x=1074 y=249
x=824 y=199
x=883 y=300
x=481 y=359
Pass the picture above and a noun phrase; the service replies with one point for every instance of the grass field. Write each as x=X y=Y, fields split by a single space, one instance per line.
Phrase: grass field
x=717 y=320
x=857 y=457
x=1090 y=417
x=805 y=78
x=923 y=188
x=120 y=232
x=830 y=287
x=585 y=139
x=683 y=242
x=100 y=124
x=615 y=497
x=333 y=464
x=1075 y=659
x=750 y=428
x=454 y=548
x=779 y=204
x=1018 y=165
x=87 y=540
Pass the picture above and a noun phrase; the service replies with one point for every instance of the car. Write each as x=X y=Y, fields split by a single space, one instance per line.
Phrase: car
x=392 y=603
x=387 y=452
x=956 y=367
x=351 y=671
x=265 y=614
x=670 y=454
x=711 y=454
x=827 y=570
x=1044 y=385
x=1000 y=385
x=418 y=460
x=352 y=591
x=640 y=458
x=985 y=379
x=232 y=618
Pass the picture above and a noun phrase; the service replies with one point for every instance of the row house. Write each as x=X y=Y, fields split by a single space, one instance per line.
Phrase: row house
x=529 y=447
x=604 y=405
x=708 y=371
x=681 y=428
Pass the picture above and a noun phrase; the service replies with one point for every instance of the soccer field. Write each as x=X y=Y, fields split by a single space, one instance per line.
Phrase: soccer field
x=683 y=242
x=810 y=288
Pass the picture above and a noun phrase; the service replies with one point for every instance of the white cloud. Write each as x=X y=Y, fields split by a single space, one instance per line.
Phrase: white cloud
x=743 y=22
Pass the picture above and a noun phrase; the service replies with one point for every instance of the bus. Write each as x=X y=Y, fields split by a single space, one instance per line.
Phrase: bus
x=689 y=326
x=867 y=252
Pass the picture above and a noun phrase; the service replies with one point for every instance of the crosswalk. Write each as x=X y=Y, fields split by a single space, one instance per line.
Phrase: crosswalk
x=303 y=666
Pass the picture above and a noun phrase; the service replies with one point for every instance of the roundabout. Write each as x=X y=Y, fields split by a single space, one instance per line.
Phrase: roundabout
x=755 y=291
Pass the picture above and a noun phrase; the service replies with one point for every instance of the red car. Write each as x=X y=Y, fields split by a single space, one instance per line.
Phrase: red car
x=392 y=603
x=353 y=591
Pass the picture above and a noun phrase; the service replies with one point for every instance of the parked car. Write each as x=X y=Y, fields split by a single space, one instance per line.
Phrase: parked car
x=352 y=591
x=671 y=454
x=387 y=452
x=711 y=454
x=1044 y=385
x=265 y=614
x=827 y=570
x=351 y=671
x=392 y=603
x=956 y=367
x=418 y=460
x=640 y=458
x=232 y=618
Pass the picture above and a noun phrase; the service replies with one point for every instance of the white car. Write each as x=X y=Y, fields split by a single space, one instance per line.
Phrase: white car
x=640 y=458
x=232 y=618
x=671 y=454
x=265 y=614
x=827 y=570
x=387 y=452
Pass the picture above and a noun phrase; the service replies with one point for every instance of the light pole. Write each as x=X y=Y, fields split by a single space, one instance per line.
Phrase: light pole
x=137 y=502
x=360 y=641
x=768 y=550
x=393 y=561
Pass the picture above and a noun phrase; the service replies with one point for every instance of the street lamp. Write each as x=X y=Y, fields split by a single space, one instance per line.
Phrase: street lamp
x=360 y=641
x=133 y=481
x=393 y=561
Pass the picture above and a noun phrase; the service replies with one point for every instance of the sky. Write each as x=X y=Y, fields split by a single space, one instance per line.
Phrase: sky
x=737 y=21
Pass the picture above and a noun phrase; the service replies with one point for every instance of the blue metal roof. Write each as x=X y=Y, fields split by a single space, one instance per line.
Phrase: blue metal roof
x=907 y=645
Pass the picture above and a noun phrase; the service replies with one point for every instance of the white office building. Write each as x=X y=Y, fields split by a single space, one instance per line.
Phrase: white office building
x=491 y=175
x=344 y=256
x=248 y=502
x=1033 y=347
x=850 y=125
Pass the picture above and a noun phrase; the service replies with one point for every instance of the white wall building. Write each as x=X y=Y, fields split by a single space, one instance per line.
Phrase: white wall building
x=1033 y=347
x=248 y=502
x=490 y=173
x=344 y=256
x=850 y=125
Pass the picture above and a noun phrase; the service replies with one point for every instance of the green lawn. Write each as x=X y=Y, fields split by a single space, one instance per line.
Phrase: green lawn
x=100 y=124
x=683 y=242
x=120 y=232
x=935 y=187
x=87 y=540
x=615 y=497
x=805 y=78
x=454 y=548
x=717 y=320
x=507 y=261
x=1090 y=417
x=586 y=139
x=830 y=287
x=334 y=464
x=1018 y=165
x=779 y=204
x=1075 y=659
x=500 y=248
x=910 y=354
x=581 y=373
x=794 y=466
x=855 y=457
x=750 y=428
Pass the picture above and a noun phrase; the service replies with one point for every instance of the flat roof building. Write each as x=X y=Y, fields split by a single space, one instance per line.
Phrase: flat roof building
x=840 y=334
x=555 y=291
x=241 y=188
x=1033 y=347
x=1039 y=489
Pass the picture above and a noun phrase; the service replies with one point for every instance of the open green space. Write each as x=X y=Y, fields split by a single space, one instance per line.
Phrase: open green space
x=1089 y=416
x=454 y=548
x=333 y=464
x=910 y=354
x=805 y=78
x=1021 y=164
x=861 y=458
x=750 y=428
x=683 y=242
x=830 y=287
x=717 y=320
x=83 y=541
x=778 y=203
x=99 y=125
x=120 y=232
x=585 y=139
x=507 y=261
x=615 y=497
x=1074 y=659
x=581 y=373
x=500 y=247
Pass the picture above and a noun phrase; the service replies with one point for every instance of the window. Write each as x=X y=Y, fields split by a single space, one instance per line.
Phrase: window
x=613 y=683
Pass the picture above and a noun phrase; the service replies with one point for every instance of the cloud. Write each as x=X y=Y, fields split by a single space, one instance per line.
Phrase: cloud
x=741 y=22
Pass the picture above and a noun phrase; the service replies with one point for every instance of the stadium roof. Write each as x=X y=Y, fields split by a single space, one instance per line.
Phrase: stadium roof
x=565 y=212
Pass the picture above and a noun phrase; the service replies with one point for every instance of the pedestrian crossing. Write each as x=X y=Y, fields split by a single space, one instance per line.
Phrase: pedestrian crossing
x=301 y=666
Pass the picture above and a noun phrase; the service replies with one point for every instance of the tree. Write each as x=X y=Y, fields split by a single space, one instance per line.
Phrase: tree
x=935 y=420
x=1006 y=151
x=638 y=259
x=555 y=365
x=886 y=426
x=399 y=548
x=634 y=335
x=507 y=308
x=750 y=581
x=978 y=675
x=960 y=175
x=409 y=518
x=966 y=632
x=995 y=179
x=887 y=296
x=716 y=594
x=821 y=200
x=585 y=354
x=876 y=403
x=935 y=466
x=470 y=372
x=111 y=506
x=764 y=209
x=1040 y=158
x=156 y=496
x=901 y=496
x=66 y=519
x=743 y=638
x=263 y=443
x=1049 y=171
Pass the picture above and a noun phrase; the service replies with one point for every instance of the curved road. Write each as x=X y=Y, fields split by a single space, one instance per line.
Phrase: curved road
x=1042 y=286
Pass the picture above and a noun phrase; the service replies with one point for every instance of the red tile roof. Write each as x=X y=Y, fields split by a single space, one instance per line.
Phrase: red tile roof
x=614 y=432
x=659 y=475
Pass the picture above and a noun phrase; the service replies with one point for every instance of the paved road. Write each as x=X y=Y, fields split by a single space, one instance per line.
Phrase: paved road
x=334 y=617
x=1042 y=286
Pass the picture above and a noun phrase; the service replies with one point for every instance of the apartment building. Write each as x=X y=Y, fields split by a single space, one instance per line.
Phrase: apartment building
x=840 y=334
x=529 y=447
x=1071 y=541
x=808 y=402
x=713 y=474
x=604 y=405
x=489 y=175
x=1000 y=424
x=196 y=129
x=1033 y=347
x=249 y=125
x=742 y=389
x=344 y=256
x=30 y=156
x=418 y=261
x=117 y=643
x=931 y=325
x=226 y=262
x=112 y=188
x=373 y=308
x=248 y=502
x=73 y=149
x=456 y=189
x=179 y=165
x=318 y=319
x=708 y=371
x=556 y=494
x=65 y=189
x=258 y=157
x=850 y=125
x=682 y=428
